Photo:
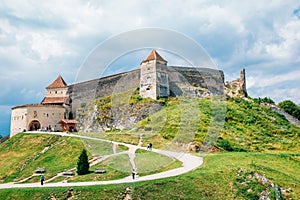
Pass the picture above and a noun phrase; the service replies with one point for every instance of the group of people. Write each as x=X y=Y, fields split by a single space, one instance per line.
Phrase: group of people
x=149 y=147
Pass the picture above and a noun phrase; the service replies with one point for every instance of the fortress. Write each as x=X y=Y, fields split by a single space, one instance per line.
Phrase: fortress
x=154 y=78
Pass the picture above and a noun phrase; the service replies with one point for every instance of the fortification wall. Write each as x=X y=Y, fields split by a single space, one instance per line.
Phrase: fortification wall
x=195 y=82
x=45 y=115
x=87 y=91
x=18 y=120
x=190 y=81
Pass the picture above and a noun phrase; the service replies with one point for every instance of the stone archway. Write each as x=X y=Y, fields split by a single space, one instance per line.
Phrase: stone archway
x=34 y=125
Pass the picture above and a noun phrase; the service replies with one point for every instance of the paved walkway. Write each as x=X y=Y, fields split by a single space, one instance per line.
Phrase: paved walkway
x=190 y=162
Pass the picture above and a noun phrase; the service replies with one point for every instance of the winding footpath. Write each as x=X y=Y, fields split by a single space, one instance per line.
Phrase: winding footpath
x=189 y=162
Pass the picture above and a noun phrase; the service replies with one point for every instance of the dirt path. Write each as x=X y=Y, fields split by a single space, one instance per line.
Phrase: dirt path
x=190 y=162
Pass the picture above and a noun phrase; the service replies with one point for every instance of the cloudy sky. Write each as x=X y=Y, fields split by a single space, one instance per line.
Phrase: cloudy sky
x=41 y=39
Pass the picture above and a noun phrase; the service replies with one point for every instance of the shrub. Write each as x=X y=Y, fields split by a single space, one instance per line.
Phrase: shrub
x=224 y=144
x=291 y=108
x=264 y=100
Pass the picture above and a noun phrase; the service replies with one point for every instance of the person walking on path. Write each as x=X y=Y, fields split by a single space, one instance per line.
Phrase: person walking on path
x=133 y=172
x=149 y=147
x=42 y=179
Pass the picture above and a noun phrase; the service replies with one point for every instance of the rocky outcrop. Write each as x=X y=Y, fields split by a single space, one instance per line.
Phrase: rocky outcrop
x=237 y=88
x=99 y=118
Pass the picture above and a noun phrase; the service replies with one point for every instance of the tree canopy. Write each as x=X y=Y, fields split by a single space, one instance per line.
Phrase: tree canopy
x=291 y=108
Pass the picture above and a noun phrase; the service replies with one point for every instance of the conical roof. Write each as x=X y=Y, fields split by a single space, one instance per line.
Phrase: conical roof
x=58 y=83
x=154 y=56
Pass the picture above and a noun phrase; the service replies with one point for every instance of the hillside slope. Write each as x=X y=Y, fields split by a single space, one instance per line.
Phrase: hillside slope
x=271 y=142
x=22 y=154
x=243 y=125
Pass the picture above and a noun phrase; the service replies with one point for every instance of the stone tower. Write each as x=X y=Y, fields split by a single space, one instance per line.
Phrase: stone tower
x=243 y=82
x=56 y=92
x=154 y=77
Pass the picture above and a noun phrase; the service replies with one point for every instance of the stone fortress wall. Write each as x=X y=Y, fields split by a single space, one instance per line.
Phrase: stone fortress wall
x=90 y=90
x=188 y=81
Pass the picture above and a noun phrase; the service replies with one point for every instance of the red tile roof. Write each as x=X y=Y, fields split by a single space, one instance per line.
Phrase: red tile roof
x=154 y=56
x=58 y=83
x=54 y=100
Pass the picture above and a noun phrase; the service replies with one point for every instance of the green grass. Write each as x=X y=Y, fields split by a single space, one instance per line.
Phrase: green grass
x=216 y=179
x=111 y=174
x=99 y=148
x=20 y=155
x=120 y=163
x=148 y=162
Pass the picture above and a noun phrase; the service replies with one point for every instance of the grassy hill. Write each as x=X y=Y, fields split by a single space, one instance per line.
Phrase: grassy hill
x=22 y=154
x=245 y=126
x=253 y=139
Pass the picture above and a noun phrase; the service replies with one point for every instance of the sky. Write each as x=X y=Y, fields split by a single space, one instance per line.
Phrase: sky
x=40 y=40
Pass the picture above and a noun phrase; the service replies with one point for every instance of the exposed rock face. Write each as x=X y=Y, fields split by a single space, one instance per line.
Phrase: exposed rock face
x=237 y=88
x=115 y=117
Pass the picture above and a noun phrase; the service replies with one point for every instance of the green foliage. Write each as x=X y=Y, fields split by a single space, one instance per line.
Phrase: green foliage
x=291 y=108
x=264 y=100
x=83 y=163
x=224 y=144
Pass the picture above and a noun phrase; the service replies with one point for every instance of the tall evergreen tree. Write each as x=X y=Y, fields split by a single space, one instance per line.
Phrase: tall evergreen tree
x=83 y=163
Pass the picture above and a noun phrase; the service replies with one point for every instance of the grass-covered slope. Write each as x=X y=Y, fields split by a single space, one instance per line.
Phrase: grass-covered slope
x=218 y=178
x=252 y=127
x=22 y=154
x=247 y=126
x=253 y=139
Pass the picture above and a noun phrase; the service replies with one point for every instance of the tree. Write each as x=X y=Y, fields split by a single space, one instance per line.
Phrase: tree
x=291 y=108
x=83 y=163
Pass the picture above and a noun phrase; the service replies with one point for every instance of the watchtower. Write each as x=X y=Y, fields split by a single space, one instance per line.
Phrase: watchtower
x=154 y=80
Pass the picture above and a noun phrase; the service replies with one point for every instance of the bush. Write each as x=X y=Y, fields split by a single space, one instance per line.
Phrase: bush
x=291 y=108
x=83 y=163
x=224 y=144
x=264 y=100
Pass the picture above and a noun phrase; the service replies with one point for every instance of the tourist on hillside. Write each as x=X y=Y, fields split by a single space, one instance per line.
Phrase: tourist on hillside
x=42 y=179
x=133 y=172
x=149 y=147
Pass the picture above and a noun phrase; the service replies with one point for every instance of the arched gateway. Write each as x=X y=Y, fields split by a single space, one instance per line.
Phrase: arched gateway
x=34 y=125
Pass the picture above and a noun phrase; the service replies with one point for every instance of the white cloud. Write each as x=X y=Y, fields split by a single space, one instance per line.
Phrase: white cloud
x=41 y=39
x=271 y=80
